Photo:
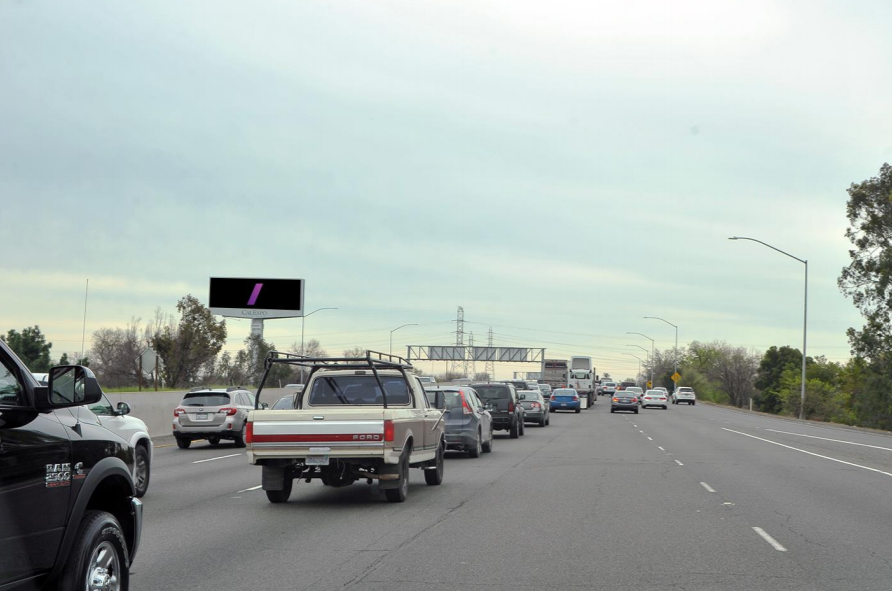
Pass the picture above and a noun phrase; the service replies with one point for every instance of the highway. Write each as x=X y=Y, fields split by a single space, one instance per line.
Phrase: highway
x=692 y=498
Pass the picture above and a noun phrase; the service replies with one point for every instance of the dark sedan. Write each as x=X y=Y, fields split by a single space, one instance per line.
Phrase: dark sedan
x=624 y=400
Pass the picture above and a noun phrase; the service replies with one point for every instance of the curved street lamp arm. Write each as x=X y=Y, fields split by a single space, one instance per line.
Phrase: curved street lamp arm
x=803 y=261
x=663 y=319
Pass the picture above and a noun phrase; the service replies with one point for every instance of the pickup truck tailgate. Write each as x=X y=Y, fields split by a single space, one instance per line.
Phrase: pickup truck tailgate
x=297 y=433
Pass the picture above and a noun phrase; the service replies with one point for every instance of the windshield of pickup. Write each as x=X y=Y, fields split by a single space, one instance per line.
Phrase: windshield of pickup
x=352 y=390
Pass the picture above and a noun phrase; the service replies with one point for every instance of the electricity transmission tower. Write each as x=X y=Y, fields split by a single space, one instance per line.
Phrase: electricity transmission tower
x=470 y=354
x=490 y=364
x=459 y=366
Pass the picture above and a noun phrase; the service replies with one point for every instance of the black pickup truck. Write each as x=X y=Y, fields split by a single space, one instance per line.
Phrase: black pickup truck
x=69 y=518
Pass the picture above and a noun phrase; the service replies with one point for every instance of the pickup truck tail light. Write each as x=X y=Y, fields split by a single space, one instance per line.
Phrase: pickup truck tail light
x=389 y=431
x=249 y=432
x=228 y=411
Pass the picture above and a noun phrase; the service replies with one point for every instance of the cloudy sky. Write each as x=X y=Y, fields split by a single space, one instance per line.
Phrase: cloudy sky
x=559 y=169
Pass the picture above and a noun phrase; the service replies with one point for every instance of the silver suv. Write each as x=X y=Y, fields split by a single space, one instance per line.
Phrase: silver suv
x=213 y=415
x=684 y=394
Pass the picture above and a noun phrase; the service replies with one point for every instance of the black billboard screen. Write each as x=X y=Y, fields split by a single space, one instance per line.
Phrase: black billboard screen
x=238 y=293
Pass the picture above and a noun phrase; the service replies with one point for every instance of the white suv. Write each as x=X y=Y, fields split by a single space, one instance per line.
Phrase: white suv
x=684 y=394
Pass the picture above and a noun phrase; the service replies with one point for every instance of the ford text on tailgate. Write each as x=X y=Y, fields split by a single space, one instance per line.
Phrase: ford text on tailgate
x=363 y=418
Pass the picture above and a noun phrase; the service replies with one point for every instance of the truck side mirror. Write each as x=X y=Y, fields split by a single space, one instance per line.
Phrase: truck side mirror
x=69 y=385
x=439 y=400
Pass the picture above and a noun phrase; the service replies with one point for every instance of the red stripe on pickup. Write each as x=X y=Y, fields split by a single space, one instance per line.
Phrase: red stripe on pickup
x=321 y=438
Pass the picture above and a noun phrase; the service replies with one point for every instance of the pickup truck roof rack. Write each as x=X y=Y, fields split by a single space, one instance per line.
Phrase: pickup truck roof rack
x=373 y=360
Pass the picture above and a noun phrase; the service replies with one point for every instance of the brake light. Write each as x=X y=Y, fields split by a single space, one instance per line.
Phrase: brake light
x=228 y=411
x=389 y=431
x=249 y=432
x=465 y=407
x=535 y=405
x=634 y=400
x=511 y=406
x=554 y=396
x=616 y=399
x=178 y=411
x=575 y=397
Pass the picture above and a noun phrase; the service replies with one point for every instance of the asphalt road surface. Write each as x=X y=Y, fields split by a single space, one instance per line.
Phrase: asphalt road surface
x=696 y=498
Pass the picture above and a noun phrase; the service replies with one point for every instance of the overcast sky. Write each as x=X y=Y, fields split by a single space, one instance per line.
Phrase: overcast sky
x=560 y=169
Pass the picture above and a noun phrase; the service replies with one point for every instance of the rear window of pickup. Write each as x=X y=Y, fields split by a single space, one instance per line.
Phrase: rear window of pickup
x=357 y=390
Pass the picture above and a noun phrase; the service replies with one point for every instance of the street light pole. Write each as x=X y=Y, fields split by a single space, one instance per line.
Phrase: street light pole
x=396 y=329
x=804 y=314
x=674 y=383
x=639 y=365
x=646 y=352
x=651 y=354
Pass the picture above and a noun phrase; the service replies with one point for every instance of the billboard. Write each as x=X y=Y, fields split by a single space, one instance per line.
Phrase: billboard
x=241 y=297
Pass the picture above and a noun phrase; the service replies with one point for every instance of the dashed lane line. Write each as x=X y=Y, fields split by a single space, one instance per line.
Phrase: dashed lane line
x=217 y=458
x=811 y=453
x=707 y=487
x=247 y=489
x=679 y=463
x=769 y=539
x=660 y=448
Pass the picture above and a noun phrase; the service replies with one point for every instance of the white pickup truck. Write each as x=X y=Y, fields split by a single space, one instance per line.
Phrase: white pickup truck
x=361 y=418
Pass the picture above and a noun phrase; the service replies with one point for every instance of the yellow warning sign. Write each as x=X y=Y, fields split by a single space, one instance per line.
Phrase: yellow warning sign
x=650 y=385
x=675 y=377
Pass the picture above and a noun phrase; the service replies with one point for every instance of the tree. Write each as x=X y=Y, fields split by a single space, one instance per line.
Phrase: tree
x=312 y=348
x=355 y=352
x=31 y=347
x=481 y=376
x=868 y=277
x=115 y=354
x=734 y=371
x=774 y=363
x=64 y=359
x=185 y=347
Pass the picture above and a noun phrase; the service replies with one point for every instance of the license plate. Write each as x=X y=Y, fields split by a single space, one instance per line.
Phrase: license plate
x=202 y=416
x=563 y=404
x=317 y=460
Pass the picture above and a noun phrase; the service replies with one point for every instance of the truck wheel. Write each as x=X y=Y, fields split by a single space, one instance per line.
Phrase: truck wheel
x=99 y=558
x=434 y=476
x=475 y=451
x=281 y=496
x=141 y=470
x=240 y=438
x=183 y=443
x=399 y=494
x=514 y=433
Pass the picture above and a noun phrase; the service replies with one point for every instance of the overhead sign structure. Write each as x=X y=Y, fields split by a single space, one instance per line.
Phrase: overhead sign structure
x=253 y=298
x=456 y=353
x=675 y=377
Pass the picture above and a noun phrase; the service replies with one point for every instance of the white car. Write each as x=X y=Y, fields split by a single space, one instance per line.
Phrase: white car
x=428 y=382
x=684 y=394
x=131 y=430
x=655 y=398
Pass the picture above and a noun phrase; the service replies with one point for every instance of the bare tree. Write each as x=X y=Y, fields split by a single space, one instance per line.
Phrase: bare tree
x=115 y=352
x=355 y=352
x=734 y=371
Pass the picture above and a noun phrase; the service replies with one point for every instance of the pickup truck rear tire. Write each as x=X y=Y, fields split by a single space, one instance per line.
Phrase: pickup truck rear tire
x=281 y=496
x=434 y=476
x=99 y=551
x=399 y=494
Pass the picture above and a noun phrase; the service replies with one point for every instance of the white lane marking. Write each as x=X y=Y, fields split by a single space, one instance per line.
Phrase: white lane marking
x=828 y=439
x=810 y=453
x=640 y=431
x=247 y=489
x=769 y=539
x=707 y=487
x=636 y=426
x=218 y=458
x=650 y=438
x=660 y=448
x=679 y=463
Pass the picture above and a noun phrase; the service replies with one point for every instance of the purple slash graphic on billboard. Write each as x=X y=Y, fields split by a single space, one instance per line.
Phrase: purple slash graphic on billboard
x=253 y=299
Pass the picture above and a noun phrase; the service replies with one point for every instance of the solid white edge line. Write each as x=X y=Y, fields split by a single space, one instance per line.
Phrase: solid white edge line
x=218 y=458
x=769 y=539
x=247 y=489
x=828 y=439
x=811 y=453
x=679 y=463
x=707 y=487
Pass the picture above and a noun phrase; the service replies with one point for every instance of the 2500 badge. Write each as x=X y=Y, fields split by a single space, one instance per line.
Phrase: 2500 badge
x=60 y=474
